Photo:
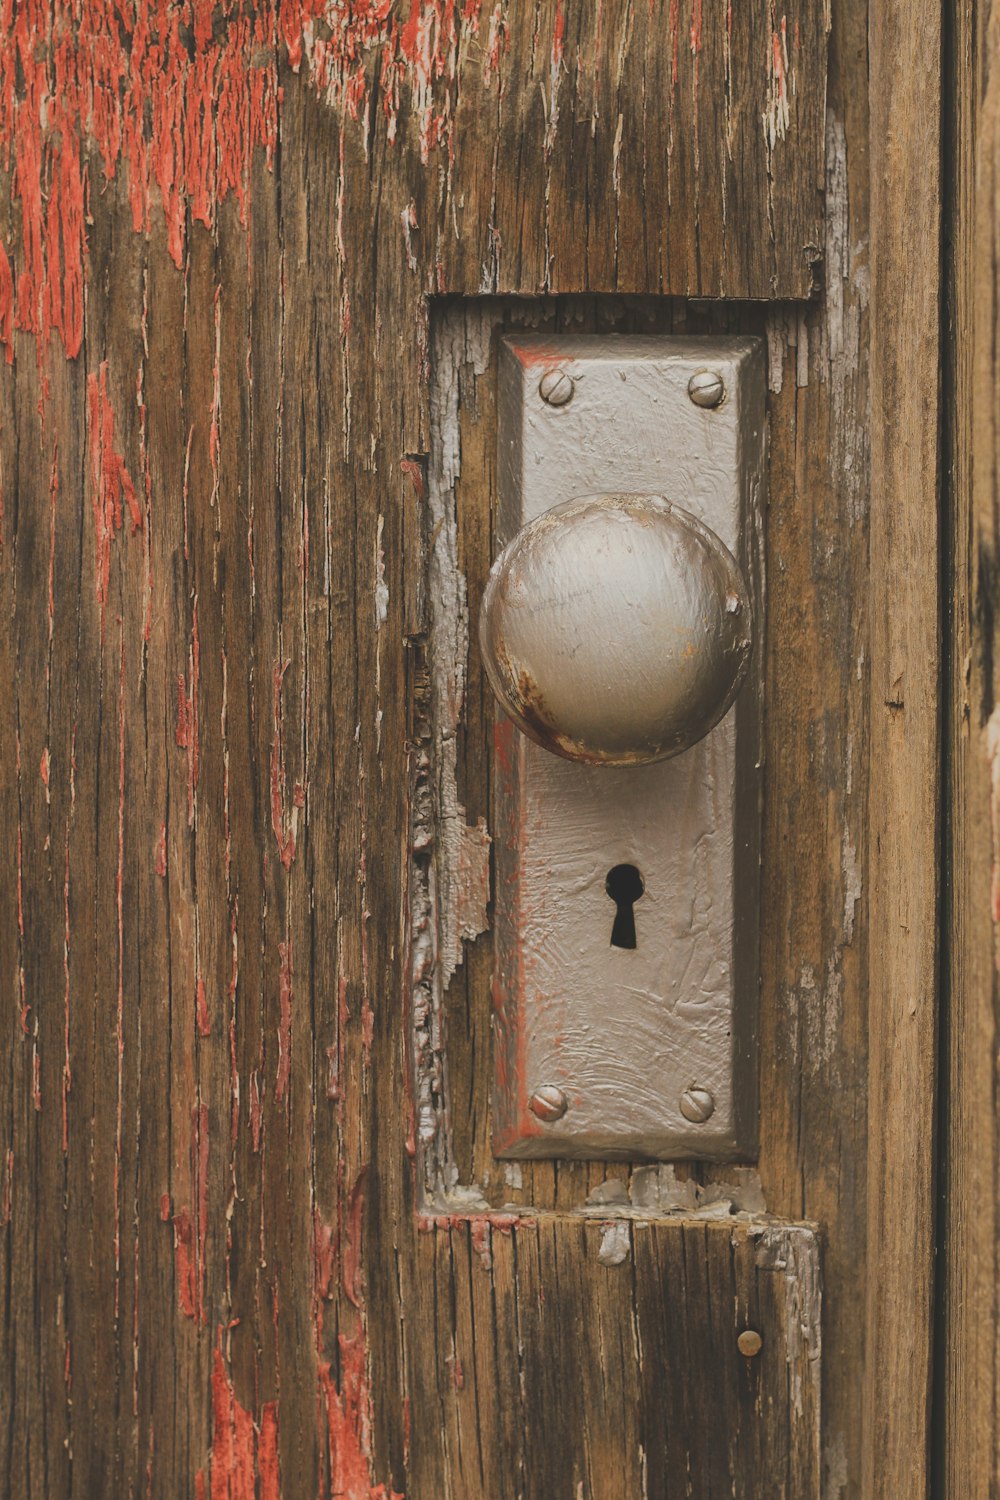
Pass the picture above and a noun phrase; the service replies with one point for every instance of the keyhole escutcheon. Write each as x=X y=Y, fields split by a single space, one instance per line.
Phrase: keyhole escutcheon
x=624 y=885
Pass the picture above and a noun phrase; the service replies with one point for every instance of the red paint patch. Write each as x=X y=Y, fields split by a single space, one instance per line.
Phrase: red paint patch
x=348 y=1412
x=352 y=1248
x=110 y=480
x=414 y=471
x=201 y=1009
x=324 y=1251
x=233 y=1464
x=255 y=1111
x=184 y=1267
x=267 y=1453
x=184 y=95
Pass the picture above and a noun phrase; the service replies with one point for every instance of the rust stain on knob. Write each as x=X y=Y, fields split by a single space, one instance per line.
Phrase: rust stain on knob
x=616 y=629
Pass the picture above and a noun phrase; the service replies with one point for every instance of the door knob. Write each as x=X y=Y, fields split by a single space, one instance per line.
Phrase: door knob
x=616 y=629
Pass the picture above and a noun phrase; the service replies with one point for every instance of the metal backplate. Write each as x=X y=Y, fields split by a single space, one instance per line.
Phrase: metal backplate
x=631 y=1043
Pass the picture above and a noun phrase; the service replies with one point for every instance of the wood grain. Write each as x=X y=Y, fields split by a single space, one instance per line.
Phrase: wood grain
x=215 y=1280
x=904 y=798
x=967 y=1453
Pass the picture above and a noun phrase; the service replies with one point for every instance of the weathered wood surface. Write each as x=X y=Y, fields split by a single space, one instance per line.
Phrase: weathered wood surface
x=904 y=791
x=968 y=1355
x=214 y=453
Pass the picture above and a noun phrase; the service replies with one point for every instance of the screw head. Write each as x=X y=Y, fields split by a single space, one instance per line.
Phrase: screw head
x=697 y=1105
x=706 y=388
x=556 y=386
x=548 y=1102
x=749 y=1343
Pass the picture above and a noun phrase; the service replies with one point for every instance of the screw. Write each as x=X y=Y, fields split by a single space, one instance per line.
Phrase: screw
x=556 y=386
x=549 y=1102
x=697 y=1105
x=749 y=1342
x=706 y=388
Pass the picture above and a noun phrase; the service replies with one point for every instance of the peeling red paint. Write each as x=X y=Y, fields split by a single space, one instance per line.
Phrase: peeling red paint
x=414 y=471
x=184 y=94
x=184 y=1267
x=233 y=1459
x=255 y=1111
x=324 y=1252
x=267 y=1452
x=285 y=1021
x=348 y=1413
x=110 y=480
x=201 y=1009
x=696 y=28
x=352 y=1247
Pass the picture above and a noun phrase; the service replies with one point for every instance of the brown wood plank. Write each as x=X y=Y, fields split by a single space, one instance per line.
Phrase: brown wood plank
x=285 y=1324
x=968 y=1452
x=903 y=843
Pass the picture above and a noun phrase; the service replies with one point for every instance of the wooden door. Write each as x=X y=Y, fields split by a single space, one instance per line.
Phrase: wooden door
x=255 y=263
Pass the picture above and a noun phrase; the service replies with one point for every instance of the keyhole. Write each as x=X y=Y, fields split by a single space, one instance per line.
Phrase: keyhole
x=624 y=885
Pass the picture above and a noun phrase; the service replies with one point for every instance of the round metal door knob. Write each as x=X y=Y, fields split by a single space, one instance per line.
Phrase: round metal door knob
x=616 y=629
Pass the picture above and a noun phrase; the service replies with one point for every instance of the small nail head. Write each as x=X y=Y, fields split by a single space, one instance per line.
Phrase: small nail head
x=556 y=386
x=697 y=1105
x=749 y=1343
x=549 y=1102
x=706 y=388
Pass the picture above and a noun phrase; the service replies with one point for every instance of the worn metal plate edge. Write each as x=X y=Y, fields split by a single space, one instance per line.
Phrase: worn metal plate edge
x=731 y=1132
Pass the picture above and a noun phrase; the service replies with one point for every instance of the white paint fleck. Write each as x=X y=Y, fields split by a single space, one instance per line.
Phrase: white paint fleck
x=450 y=870
x=612 y=1190
x=852 y=882
x=777 y=114
x=381 y=587
x=408 y=219
x=615 y=1244
x=616 y=156
x=775 y=352
x=791 y=1252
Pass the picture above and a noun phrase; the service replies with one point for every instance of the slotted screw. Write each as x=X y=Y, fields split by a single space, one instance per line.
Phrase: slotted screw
x=697 y=1105
x=706 y=388
x=556 y=386
x=549 y=1102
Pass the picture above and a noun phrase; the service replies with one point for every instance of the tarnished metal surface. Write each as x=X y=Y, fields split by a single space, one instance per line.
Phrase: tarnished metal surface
x=625 y=1033
x=616 y=629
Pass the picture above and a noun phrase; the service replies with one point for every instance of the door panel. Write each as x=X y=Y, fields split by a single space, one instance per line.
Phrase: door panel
x=232 y=1266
